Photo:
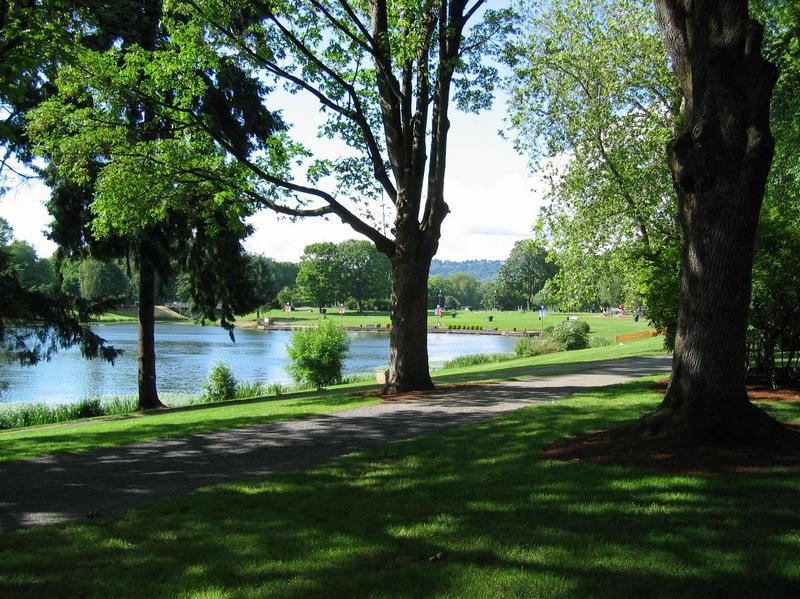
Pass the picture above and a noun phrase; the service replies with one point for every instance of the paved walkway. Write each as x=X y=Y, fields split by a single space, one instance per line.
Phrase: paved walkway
x=72 y=486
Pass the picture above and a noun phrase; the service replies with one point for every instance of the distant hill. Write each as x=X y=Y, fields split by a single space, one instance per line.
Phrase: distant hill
x=483 y=270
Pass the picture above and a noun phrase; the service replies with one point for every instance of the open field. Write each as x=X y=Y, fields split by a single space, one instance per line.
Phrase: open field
x=117 y=430
x=607 y=327
x=475 y=512
x=130 y=314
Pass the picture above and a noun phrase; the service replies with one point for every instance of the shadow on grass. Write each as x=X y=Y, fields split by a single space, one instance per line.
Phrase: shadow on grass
x=471 y=513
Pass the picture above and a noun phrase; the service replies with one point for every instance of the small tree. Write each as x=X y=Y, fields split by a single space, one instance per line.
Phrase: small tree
x=317 y=354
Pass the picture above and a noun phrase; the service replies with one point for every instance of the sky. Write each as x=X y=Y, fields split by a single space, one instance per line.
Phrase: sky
x=493 y=198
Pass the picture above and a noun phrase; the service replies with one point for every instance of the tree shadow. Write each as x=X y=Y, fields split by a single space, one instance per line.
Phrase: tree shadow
x=472 y=512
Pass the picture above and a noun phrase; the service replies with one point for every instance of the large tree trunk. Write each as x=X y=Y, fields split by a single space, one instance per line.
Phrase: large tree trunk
x=408 y=345
x=720 y=160
x=148 y=394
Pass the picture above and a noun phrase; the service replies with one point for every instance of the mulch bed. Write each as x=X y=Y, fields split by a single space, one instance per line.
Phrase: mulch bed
x=630 y=446
x=757 y=390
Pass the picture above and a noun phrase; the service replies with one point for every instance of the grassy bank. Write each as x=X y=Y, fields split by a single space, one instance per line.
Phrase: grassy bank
x=116 y=430
x=474 y=512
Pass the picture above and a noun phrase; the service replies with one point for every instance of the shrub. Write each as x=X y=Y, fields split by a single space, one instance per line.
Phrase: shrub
x=600 y=341
x=535 y=346
x=220 y=384
x=571 y=334
x=317 y=354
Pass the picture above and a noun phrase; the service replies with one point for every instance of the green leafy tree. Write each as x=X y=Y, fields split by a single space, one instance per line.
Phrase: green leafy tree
x=385 y=75
x=465 y=288
x=317 y=354
x=100 y=280
x=285 y=274
x=108 y=135
x=319 y=279
x=263 y=280
x=525 y=272
x=366 y=273
x=33 y=272
x=593 y=105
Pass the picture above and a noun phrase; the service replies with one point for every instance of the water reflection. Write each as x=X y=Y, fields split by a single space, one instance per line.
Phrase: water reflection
x=186 y=353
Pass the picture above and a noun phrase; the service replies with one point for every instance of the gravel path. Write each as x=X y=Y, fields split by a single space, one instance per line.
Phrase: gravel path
x=71 y=486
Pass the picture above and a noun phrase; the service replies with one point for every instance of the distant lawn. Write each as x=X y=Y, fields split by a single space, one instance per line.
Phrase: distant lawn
x=131 y=314
x=20 y=444
x=601 y=327
x=474 y=512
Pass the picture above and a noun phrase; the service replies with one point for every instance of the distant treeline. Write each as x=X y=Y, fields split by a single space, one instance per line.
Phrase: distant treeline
x=484 y=271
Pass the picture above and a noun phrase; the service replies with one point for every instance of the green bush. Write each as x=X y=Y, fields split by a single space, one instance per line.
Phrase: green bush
x=535 y=346
x=220 y=384
x=571 y=334
x=317 y=354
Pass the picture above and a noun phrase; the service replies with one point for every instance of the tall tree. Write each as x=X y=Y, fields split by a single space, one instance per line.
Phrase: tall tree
x=384 y=73
x=525 y=271
x=319 y=279
x=366 y=273
x=593 y=103
x=106 y=141
x=720 y=160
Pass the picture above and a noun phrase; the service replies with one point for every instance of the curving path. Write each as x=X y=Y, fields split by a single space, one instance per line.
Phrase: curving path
x=77 y=485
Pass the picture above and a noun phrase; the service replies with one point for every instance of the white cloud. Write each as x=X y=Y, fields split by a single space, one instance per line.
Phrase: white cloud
x=493 y=199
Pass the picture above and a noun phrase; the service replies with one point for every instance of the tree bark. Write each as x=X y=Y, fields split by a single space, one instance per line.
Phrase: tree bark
x=719 y=160
x=148 y=393
x=408 y=344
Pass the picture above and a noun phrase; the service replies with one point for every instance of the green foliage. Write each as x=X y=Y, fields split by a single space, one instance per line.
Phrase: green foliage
x=351 y=270
x=220 y=384
x=571 y=334
x=593 y=105
x=526 y=347
x=317 y=354
x=33 y=272
x=100 y=280
x=262 y=278
x=523 y=274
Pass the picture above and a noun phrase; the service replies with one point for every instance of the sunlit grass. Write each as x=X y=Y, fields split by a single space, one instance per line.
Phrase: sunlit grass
x=474 y=512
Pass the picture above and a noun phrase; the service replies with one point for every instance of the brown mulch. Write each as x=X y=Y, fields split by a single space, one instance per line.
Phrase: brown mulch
x=630 y=446
x=756 y=390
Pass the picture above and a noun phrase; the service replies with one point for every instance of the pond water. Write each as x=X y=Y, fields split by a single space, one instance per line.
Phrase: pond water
x=186 y=353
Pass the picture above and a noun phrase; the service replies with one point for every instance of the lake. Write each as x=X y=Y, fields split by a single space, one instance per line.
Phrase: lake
x=186 y=353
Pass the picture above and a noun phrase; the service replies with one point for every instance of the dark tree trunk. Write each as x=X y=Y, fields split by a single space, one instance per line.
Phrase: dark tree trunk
x=148 y=394
x=720 y=160
x=408 y=345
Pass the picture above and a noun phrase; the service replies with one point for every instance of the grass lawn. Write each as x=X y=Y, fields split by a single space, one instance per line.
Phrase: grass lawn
x=19 y=444
x=131 y=314
x=600 y=326
x=474 y=512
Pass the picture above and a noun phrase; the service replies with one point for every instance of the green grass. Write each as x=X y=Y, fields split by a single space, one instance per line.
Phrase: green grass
x=32 y=442
x=130 y=314
x=118 y=430
x=475 y=512
x=600 y=327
